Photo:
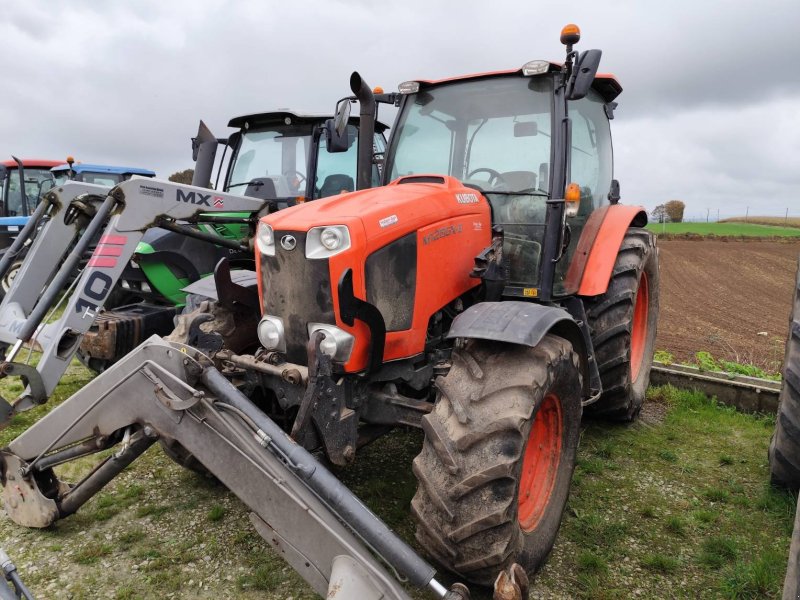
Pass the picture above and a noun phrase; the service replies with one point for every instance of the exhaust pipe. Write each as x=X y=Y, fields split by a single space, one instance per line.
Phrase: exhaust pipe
x=366 y=130
x=22 y=192
x=204 y=151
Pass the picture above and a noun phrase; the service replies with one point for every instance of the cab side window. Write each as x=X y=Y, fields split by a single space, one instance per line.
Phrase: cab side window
x=591 y=156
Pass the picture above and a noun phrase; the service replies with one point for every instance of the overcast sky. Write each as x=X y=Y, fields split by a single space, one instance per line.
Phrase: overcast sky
x=710 y=112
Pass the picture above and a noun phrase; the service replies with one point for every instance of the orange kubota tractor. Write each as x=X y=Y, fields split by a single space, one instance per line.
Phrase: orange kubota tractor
x=488 y=293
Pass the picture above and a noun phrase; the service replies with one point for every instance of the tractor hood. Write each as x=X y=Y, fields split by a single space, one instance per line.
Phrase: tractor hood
x=406 y=204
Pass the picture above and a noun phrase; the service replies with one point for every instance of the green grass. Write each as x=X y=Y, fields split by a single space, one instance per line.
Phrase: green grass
x=687 y=508
x=723 y=229
x=679 y=503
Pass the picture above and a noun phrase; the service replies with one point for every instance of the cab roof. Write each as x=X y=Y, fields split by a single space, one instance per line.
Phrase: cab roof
x=91 y=168
x=605 y=83
x=280 y=114
x=31 y=163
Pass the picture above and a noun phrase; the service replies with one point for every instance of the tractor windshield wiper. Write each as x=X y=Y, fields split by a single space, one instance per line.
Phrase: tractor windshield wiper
x=254 y=183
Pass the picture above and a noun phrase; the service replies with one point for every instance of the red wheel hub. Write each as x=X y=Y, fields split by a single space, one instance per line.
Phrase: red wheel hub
x=639 y=327
x=540 y=463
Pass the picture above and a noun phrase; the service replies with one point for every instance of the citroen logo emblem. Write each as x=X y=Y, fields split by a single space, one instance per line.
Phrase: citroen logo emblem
x=288 y=242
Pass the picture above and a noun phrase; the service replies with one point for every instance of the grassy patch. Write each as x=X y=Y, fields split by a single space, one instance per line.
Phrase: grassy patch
x=216 y=513
x=675 y=525
x=758 y=578
x=660 y=563
x=591 y=563
x=706 y=362
x=774 y=221
x=687 y=503
x=91 y=553
x=717 y=551
x=723 y=229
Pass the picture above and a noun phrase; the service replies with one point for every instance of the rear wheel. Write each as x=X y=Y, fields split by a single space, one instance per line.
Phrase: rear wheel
x=499 y=452
x=623 y=323
x=784 y=449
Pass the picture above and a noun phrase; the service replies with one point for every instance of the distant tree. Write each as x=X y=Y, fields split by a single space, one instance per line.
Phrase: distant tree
x=659 y=214
x=674 y=210
x=184 y=176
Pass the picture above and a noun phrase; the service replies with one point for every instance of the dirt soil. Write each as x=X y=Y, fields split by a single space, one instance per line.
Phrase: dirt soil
x=730 y=298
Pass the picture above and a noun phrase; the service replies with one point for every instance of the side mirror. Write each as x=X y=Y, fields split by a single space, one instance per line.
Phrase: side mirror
x=336 y=128
x=583 y=74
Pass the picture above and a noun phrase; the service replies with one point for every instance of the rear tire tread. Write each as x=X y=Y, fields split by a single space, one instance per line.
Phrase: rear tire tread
x=784 y=448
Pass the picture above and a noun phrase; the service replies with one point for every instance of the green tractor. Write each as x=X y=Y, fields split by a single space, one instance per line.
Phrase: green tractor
x=281 y=157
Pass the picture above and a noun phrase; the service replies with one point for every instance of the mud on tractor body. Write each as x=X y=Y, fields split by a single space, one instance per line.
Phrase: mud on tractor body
x=491 y=291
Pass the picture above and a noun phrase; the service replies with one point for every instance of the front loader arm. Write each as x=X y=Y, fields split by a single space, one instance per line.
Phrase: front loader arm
x=173 y=392
x=119 y=217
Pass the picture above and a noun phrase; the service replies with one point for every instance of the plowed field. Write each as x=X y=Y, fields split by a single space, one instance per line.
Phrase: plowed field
x=729 y=298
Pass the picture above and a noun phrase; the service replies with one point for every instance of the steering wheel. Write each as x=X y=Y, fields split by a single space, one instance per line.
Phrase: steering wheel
x=494 y=176
x=295 y=177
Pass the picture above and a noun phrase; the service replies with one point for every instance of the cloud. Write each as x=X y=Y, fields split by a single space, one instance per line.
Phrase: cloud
x=126 y=83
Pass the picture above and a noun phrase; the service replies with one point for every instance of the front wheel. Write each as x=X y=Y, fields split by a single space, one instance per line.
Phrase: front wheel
x=495 y=468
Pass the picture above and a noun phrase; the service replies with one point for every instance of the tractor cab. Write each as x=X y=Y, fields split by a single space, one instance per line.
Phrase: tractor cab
x=105 y=175
x=283 y=156
x=22 y=184
x=503 y=135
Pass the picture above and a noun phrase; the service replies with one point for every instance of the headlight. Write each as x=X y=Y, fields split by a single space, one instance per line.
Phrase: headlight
x=270 y=333
x=338 y=344
x=265 y=238
x=323 y=242
x=331 y=238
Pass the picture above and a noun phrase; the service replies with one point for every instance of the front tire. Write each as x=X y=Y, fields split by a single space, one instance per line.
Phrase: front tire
x=495 y=468
x=623 y=324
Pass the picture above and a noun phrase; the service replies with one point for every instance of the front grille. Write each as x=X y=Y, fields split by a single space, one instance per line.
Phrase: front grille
x=298 y=291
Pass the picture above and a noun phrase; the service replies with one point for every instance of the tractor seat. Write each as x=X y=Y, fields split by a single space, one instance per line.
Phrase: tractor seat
x=520 y=180
x=262 y=188
x=336 y=184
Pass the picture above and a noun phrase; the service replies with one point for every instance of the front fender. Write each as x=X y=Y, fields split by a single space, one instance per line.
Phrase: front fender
x=523 y=323
x=590 y=270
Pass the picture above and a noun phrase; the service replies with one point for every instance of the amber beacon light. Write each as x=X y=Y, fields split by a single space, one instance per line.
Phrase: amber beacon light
x=570 y=34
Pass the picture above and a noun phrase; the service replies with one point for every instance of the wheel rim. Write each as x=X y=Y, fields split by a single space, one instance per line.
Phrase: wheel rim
x=639 y=328
x=540 y=463
x=8 y=280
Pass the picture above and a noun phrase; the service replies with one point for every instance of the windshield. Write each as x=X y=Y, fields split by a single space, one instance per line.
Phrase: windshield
x=493 y=133
x=106 y=179
x=97 y=178
x=37 y=182
x=271 y=162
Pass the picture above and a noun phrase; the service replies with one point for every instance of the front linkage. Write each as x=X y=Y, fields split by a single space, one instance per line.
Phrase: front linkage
x=173 y=392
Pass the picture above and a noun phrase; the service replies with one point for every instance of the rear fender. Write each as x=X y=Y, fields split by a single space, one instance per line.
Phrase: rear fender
x=594 y=258
x=523 y=323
